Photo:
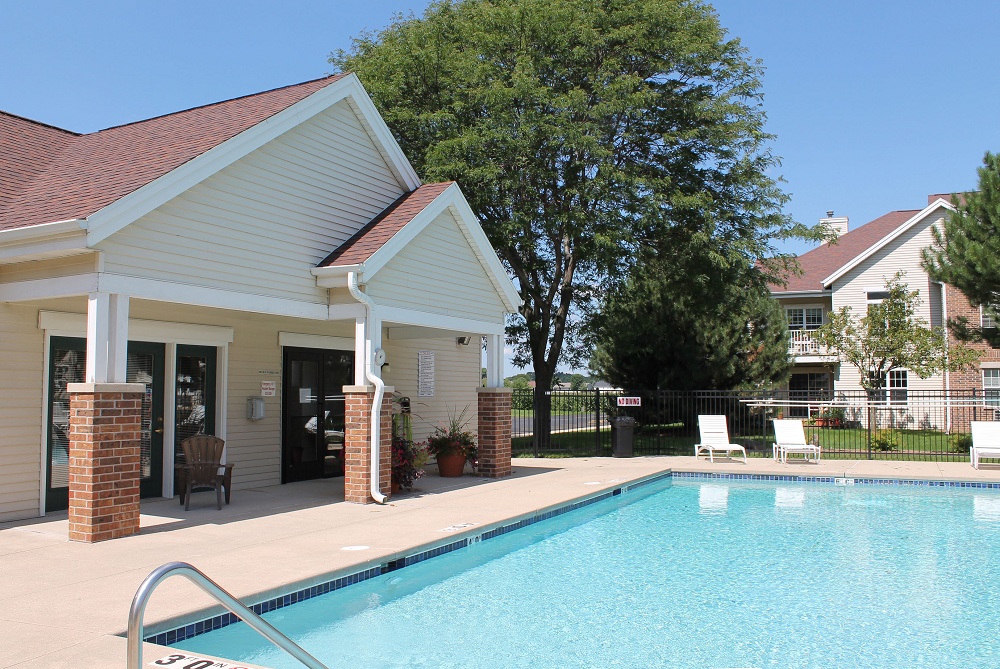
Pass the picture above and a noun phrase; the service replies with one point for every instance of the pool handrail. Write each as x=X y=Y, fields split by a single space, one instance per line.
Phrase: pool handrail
x=264 y=628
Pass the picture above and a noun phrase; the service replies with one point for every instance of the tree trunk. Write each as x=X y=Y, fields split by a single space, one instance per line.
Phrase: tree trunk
x=543 y=412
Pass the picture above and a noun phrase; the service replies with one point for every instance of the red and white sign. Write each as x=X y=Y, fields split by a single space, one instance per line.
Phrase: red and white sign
x=630 y=401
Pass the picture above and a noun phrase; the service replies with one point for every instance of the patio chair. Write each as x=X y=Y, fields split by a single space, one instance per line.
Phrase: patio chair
x=715 y=438
x=985 y=441
x=202 y=465
x=790 y=438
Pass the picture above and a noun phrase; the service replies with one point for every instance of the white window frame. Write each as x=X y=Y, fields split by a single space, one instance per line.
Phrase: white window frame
x=804 y=323
x=985 y=320
x=991 y=386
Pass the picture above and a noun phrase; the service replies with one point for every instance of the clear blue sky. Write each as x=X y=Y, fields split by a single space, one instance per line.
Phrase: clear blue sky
x=874 y=104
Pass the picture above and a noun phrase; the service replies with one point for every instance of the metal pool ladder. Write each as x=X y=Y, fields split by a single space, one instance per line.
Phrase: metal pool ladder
x=142 y=595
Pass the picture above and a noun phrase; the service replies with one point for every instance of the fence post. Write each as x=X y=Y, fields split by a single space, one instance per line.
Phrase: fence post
x=871 y=419
x=597 y=427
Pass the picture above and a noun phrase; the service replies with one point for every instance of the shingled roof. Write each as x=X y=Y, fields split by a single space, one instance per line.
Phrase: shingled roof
x=48 y=174
x=381 y=229
x=821 y=262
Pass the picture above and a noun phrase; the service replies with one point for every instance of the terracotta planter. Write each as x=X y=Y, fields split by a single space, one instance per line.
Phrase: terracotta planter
x=451 y=465
x=394 y=488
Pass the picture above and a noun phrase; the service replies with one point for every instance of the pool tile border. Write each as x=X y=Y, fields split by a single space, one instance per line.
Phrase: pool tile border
x=216 y=622
x=929 y=483
x=183 y=632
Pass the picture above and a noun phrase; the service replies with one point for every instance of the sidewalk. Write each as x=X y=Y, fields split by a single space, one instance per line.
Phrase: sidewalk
x=65 y=604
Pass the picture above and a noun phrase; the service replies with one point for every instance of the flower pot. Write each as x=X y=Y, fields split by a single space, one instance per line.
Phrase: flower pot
x=451 y=465
x=393 y=488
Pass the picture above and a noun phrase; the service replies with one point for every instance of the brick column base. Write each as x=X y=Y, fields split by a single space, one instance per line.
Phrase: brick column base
x=104 y=423
x=357 y=443
x=494 y=432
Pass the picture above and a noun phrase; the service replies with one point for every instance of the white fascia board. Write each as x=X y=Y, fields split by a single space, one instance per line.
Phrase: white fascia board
x=336 y=276
x=145 y=330
x=800 y=293
x=375 y=126
x=44 y=240
x=875 y=248
x=42 y=289
x=34 y=232
x=201 y=296
x=120 y=213
x=346 y=312
x=391 y=316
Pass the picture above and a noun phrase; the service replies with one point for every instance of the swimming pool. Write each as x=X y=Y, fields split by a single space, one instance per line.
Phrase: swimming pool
x=688 y=573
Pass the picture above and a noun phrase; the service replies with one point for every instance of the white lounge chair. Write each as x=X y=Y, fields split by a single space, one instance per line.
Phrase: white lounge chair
x=985 y=441
x=715 y=438
x=789 y=438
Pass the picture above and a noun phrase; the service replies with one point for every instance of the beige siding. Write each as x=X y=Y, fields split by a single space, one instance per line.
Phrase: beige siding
x=438 y=261
x=253 y=356
x=457 y=373
x=902 y=254
x=262 y=223
x=21 y=346
x=44 y=269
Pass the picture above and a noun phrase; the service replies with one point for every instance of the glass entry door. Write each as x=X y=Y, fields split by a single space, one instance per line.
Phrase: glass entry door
x=312 y=435
x=194 y=401
x=67 y=364
x=144 y=364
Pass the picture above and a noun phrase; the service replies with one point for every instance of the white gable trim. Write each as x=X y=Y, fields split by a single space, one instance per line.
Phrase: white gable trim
x=124 y=211
x=882 y=243
x=450 y=198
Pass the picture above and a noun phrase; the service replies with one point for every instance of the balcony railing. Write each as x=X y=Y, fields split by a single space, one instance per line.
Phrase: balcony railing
x=801 y=342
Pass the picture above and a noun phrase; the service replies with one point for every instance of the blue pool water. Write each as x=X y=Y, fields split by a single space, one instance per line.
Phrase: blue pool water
x=700 y=574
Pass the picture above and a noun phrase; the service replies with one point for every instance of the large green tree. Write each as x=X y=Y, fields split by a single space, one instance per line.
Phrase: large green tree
x=686 y=323
x=582 y=133
x=966 y=252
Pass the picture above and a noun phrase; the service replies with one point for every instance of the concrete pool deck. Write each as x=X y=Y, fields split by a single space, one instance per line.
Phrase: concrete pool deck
x=66 y=604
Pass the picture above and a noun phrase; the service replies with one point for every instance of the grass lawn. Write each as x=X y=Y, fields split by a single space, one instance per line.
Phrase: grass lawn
x=837 y=444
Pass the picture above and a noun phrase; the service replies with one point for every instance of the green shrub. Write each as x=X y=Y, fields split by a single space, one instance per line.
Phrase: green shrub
x=884 y=440
x=961 y=443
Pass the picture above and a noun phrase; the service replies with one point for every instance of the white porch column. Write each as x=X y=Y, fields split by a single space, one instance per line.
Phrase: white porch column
x=360 y=359
x=494 y=361
x=107 y=337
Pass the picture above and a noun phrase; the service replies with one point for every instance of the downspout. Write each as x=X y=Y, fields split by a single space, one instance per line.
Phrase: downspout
x=947 y=374
x=376 y=412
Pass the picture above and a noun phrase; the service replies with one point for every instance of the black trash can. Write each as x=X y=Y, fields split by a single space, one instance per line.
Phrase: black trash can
x=622 y=440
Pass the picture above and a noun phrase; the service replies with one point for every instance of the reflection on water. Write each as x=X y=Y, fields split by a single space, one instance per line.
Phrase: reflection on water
x=713 y=498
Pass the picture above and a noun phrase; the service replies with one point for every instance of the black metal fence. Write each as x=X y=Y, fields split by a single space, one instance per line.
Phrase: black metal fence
x=907 y=425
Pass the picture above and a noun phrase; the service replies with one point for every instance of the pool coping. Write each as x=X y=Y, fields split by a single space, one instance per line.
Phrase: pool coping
x=193 y=624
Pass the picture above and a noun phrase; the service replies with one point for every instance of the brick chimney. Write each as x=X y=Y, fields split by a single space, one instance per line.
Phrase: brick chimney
x=838 y=224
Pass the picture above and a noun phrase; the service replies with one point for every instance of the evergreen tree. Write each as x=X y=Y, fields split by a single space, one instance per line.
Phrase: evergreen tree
x=690 y=324
x=966 y=252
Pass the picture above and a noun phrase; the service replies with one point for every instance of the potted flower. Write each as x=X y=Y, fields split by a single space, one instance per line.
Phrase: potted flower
x=831 y=417
x=452 y=445
x=407 y=457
